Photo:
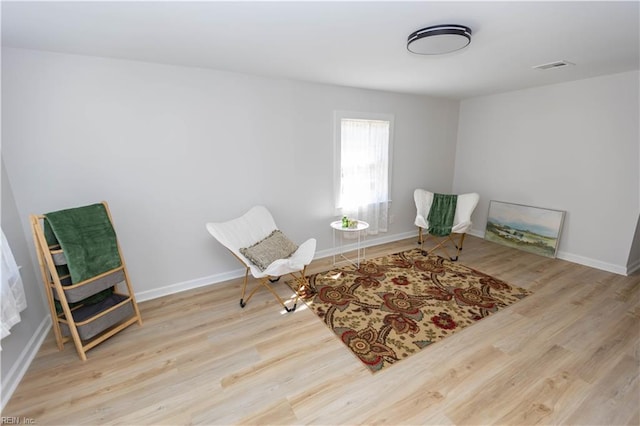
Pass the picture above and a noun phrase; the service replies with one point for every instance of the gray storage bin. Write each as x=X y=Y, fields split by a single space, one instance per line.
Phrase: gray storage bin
x=77 y=294
x=96 y=326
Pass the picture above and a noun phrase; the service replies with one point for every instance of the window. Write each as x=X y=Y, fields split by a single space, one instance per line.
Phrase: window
x=363 y=167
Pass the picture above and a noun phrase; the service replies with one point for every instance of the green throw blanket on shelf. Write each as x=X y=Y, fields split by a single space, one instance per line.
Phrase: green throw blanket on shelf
x=441 y=214
x=87 y=238
x=89 y=243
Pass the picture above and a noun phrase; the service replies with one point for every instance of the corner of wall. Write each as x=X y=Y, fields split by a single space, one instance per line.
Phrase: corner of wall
x=633 y=263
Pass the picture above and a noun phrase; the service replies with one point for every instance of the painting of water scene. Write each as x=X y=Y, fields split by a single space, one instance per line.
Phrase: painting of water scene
x=532 y=229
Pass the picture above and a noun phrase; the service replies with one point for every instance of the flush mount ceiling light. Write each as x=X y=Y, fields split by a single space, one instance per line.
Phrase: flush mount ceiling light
x=439 y=39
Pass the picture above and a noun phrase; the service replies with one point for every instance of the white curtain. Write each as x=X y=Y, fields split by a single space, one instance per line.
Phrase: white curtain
x=364 y=174
x=13 y=298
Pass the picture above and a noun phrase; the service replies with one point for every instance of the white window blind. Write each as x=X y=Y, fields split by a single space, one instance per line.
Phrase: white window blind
x=363 y=163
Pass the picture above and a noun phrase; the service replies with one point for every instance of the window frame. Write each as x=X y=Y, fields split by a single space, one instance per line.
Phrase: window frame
x=338 y=116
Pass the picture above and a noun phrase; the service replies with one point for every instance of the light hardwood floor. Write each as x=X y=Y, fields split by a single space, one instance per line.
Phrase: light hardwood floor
x=568 y=354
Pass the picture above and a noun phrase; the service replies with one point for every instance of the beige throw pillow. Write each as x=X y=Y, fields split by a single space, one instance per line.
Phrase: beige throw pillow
x=265 y=252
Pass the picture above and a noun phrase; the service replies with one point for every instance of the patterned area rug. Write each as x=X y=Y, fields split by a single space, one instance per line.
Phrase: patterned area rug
x=396 y=305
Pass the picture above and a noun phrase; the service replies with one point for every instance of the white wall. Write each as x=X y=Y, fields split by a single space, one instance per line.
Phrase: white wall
x=171 y=148
x=573 y=147
x=19 y=348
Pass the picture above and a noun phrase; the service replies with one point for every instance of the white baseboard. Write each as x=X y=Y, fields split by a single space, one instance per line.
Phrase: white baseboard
x=141 y=296
x=368 y=242
x=238 y=273
x=19 y=368
x=593 y=263
x=581 y=260
x=476 y=233
x=633 y=267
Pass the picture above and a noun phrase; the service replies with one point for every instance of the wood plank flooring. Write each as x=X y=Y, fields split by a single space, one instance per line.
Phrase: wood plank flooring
x=568 y=354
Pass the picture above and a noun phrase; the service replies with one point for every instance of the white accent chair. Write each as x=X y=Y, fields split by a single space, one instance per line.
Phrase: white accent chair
x=251 y=228
x=465 y=206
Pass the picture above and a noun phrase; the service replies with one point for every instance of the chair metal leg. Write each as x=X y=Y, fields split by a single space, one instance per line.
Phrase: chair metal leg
x=244 y=288
x=265 y=283
x=459 y=246
x=462 y=240
x=441 y=246
x=243 y=302
x=422 y=238
x=303 y=289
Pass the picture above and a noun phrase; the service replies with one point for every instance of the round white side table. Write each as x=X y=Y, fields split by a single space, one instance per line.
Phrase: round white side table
x=360 y=251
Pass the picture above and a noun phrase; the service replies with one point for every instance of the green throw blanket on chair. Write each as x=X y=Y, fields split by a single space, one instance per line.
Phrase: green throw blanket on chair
x=441 y=214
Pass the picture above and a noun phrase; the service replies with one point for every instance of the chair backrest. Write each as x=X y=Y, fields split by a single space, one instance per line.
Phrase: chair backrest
x=423 y=200
x=244 y=231
x=465 y=206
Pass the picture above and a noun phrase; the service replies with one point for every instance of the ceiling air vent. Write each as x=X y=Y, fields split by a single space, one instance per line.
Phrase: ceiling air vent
x=551 y=65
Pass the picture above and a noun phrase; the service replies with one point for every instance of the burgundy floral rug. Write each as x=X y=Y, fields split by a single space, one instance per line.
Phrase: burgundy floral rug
x=394 y=306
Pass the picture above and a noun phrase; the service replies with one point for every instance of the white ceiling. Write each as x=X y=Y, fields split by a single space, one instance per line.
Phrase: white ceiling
x=359 y=44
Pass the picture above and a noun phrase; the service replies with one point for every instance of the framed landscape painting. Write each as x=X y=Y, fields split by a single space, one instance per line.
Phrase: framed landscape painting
x=532 y=229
